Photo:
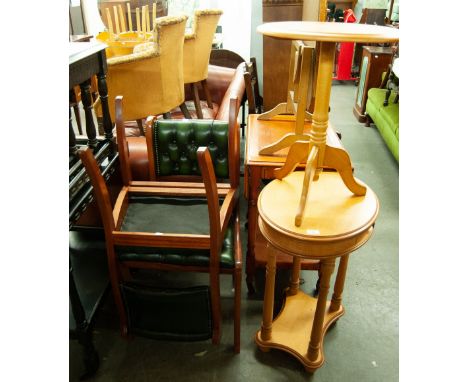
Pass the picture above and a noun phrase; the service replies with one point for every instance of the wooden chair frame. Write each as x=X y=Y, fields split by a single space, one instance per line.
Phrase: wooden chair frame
x=219 y=218
x=251 y=87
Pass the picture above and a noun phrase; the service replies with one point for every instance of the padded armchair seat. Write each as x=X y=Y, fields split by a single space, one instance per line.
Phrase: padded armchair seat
x=178 y=216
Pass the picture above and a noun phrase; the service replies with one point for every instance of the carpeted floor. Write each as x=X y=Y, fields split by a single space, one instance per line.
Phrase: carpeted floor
x=363 y=346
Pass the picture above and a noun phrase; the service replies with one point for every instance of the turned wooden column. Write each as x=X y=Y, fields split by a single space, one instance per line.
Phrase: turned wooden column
x=326 y=267
x=295 y=276
x=339 y=284
x=86 y=99
x=103 y=95
x=269 y=296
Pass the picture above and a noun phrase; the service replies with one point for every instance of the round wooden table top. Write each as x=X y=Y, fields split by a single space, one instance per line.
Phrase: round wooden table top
x=329 y=31
x=335 y=221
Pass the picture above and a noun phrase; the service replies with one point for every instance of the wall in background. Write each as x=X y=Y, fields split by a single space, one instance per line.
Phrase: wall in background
x=75 y=18
x=235 y=22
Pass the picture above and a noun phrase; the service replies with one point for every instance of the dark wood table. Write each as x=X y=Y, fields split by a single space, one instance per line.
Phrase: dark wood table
x=257 y=168
x=87 y=59
x=88 y=281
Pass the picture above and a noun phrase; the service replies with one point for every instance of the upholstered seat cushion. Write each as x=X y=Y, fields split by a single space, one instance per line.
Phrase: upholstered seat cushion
x=172 y=215
x=390 y=113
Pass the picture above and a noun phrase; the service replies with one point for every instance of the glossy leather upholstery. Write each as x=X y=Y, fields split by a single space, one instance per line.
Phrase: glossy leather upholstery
x=178 y=218
x=177 y=142
x=224 y=84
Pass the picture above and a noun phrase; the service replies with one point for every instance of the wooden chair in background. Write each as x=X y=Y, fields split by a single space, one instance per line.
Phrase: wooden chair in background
x=230 y=59
x=197 y=48
x=122 y=35
x=251 y=87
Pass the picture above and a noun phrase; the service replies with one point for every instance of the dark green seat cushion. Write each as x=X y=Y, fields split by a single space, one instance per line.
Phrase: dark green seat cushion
x=176 y=143
x=181 y=215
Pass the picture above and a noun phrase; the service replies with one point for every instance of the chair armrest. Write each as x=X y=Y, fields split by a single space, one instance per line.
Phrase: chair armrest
x=133 y=57
x=228 y=206
x=236 y=89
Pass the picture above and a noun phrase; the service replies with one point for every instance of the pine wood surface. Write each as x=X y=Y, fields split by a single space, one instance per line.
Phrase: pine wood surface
x=327 y=31
x=262 y=133
x=335 y=221
x=292 y=327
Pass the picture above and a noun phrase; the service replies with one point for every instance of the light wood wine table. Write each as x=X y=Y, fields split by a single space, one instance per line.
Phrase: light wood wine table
x=258 y=167
x=336 y=222
x=312 y=147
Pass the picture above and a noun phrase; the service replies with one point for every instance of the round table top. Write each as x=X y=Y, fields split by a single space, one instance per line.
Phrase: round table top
x=329 y=31
x=332 y=213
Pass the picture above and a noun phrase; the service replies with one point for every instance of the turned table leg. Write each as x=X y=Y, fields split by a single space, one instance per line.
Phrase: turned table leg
x=269 y=297
x=72 y=148
x=88 y=109
x=295 y=274
x=327 y=267
x=103 y=95
x=254 y=174
x=339 y=284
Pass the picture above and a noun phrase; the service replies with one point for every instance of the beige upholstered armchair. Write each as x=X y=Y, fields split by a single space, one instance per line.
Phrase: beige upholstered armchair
x=197 y=49
x=151 y=78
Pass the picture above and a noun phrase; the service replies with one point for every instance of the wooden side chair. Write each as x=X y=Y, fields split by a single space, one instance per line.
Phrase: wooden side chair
x=197 y=48
x=251 y=87
x=252 y=91
x=175 y=225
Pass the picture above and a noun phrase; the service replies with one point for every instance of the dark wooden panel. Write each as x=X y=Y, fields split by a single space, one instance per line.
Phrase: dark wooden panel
x=276 y=53
x=376 y=60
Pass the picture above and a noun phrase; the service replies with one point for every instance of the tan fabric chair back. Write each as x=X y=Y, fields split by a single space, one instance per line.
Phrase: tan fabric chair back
x=151 y=80
x=197 y=46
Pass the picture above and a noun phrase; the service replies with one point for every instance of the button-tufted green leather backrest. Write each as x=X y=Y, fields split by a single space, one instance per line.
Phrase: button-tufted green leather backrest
x=176 y=143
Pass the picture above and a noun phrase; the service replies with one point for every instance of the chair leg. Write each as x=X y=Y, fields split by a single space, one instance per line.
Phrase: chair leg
x=237 y=308
x=140 y=127
x=78 y=118
x=387 y=96
x=207 y=94
x=116 y=292
x=167 y=115
x=242 y=125
x=215 y=306
x=185 y=112
x=74 y=103
x=196 y=101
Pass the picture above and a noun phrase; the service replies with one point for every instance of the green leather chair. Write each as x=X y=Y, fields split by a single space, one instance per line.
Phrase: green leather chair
x=184 y=218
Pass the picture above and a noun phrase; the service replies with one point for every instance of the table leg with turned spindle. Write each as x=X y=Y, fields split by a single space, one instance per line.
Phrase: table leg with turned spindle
x=88 y=109
x=269 y=297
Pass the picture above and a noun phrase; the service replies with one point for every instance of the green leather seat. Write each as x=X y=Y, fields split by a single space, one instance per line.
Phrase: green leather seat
x=181 y=215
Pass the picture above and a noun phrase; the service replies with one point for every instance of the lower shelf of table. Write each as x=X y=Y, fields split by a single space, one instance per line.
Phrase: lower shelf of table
x=282 y=260
x=292 y=328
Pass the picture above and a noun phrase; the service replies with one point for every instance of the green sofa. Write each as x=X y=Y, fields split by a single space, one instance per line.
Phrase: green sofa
x=386 y=118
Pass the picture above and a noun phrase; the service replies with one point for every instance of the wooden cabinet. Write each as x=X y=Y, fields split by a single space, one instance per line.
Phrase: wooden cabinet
x=375 y=61
x=276 y=52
